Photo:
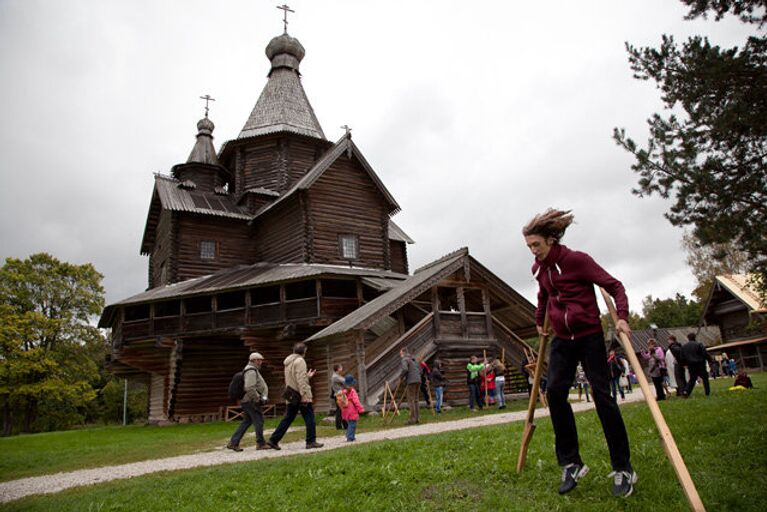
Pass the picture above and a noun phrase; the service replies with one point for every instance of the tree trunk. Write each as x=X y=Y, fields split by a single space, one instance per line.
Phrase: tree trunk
x=7 y=419
x=29 y=416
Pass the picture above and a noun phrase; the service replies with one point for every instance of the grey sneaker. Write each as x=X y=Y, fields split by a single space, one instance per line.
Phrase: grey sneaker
x=570 y=476
x=623 y=482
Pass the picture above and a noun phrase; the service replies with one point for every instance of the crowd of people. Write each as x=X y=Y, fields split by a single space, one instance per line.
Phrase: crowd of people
x=675 y=371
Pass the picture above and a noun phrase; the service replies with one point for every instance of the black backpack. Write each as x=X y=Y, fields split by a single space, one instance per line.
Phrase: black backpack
x=237 y=386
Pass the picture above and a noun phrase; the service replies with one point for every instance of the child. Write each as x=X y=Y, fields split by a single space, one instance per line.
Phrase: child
x=350 y=407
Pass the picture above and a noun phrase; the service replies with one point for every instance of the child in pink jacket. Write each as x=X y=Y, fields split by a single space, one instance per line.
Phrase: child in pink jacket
x=350 y=412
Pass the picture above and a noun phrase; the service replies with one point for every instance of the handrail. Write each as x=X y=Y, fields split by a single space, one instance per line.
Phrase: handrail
x=424 y=321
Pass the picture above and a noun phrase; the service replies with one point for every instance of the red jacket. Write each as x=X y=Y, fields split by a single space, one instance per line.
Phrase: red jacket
x=353 y=407
x=566 y=282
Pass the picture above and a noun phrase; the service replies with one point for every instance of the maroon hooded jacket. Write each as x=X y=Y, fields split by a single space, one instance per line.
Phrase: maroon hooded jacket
x=566 y=282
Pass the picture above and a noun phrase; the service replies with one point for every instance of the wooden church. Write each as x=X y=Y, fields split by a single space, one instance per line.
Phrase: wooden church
x=285 y=236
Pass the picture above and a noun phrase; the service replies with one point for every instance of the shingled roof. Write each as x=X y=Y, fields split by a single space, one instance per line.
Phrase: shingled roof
x=283 y=105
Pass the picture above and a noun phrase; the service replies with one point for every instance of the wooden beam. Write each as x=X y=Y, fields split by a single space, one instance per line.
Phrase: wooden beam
x=435 y=309
x=488 y=313
x=361 y=370
x=462 y=309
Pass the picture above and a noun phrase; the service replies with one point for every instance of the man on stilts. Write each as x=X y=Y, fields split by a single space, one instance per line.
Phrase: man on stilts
x=566 y=282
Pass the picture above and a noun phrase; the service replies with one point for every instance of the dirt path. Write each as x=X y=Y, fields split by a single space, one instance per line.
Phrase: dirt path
x=16 y=489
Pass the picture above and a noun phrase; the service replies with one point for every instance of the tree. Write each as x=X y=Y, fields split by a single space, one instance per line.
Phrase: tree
x=709 y=261
x=672 y=312
x=47 y=340
x=709 y=148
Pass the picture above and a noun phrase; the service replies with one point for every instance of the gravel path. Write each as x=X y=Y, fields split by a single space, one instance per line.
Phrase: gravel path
x=47 y=484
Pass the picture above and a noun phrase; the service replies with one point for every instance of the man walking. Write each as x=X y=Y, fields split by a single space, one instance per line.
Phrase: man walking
x=297 y=379
x=256 y=392
x=695 y=356
x=566 y=282
x=411 y=375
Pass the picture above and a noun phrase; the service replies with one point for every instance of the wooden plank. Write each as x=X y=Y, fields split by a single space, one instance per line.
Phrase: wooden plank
x=667 y=439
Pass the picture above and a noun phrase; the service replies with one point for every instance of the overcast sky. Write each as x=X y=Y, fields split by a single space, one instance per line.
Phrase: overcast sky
x=475 y=116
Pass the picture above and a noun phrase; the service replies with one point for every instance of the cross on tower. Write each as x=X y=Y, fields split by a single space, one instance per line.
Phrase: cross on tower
x=286 y=10
x=207 y=98
x=348 y=130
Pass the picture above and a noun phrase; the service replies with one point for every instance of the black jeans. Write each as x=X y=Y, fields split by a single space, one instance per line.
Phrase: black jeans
x=307 y=412
x=698 y=370
x=340 y=423
x=660 y=393
x=253 y=415
x=681 y=381
x=590 y=351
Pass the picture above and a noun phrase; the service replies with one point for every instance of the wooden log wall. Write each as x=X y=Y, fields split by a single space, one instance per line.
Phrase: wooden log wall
x=203 y=373
x=278 y=237
x=261 y=166
x=346 y=201
x=231 y=235
x=324 y=356
x=398 y=251
x=277 y=162
x=161 y=252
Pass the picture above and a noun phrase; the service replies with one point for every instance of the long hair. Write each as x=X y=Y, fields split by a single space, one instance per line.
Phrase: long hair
x=549 y=224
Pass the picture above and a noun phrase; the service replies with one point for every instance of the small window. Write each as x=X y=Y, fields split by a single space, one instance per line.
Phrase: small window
x=208 y=249
x=265 y=295
x=349 y=246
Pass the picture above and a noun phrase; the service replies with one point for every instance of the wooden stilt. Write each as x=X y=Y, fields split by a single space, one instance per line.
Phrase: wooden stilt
x=527 y=433
x=669 y=445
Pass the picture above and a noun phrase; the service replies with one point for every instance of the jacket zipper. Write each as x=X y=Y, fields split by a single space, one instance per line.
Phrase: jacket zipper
x=572 y=336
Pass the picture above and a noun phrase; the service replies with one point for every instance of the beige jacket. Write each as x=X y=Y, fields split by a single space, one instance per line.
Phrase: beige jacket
x=296 y=377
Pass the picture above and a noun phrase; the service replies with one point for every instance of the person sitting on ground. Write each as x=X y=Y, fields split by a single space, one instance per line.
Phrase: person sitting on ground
x=351 y=408
x=742 y=379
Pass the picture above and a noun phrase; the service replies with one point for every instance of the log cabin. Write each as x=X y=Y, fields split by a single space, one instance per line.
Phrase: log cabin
x=284 y=236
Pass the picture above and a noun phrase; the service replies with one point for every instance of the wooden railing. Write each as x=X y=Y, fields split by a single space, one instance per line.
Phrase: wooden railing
x=386 y=366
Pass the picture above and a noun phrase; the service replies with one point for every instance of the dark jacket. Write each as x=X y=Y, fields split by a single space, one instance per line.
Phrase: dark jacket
x=437 y=377
x=694 y=353
x=565 y=289
x=676 y=351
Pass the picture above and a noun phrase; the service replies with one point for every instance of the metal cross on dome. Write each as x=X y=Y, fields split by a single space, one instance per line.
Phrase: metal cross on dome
x=286 y=9
x=207 y=98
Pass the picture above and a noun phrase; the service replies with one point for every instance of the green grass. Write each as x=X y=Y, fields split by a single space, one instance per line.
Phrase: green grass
x=723 y=440
x=39 y=454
